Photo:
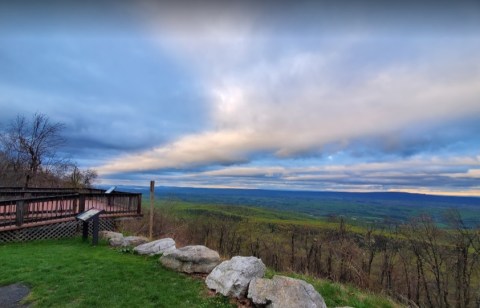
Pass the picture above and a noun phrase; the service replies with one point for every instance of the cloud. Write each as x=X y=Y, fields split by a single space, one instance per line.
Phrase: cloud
x=421 y=174
x=109 y=105
x=224 y=147
x=298 y=106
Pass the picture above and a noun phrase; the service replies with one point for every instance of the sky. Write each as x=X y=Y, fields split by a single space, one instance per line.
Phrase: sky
x=319 y=95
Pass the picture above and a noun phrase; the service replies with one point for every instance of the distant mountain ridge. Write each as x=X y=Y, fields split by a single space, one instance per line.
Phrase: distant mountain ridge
x=289 y=193
x=365 y=206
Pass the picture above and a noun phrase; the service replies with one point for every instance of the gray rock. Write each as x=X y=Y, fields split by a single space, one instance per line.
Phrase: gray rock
x=116 y=241
x=107 y=235
x=284 y=292
x=127 y=241
x=134 y=240
x=156 y=247
x=191 y=259
x=232 y=277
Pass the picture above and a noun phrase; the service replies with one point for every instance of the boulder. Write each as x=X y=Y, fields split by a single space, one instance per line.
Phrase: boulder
x=156 y=247
x=284 y=292
x=116 y=241
x=232 y=277
x=127 y=241
x=134 y=240
x=191 y=259
x=107 y=235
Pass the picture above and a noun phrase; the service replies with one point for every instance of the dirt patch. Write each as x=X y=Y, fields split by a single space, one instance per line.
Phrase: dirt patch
x=11 y=295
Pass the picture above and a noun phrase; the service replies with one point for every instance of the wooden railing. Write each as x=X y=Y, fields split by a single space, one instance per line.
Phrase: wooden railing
x=115 y=203
x=48 y=189
x=20 y=211
x=9 y=193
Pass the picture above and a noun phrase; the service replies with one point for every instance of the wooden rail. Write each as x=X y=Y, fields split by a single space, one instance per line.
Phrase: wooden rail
x=21 y=211
x=48 y=189
x=9 y=193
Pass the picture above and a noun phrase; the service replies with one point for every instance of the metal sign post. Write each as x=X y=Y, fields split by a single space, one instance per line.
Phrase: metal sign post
x=85 y=217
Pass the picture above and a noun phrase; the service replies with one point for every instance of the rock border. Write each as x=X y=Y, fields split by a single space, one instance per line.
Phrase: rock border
x=226 y=277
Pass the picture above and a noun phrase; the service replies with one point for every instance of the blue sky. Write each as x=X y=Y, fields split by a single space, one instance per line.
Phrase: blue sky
x=313 y=95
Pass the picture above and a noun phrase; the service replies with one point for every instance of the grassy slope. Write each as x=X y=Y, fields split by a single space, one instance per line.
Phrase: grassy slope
x=69 y=273
x=253 y=215
x=355 y=207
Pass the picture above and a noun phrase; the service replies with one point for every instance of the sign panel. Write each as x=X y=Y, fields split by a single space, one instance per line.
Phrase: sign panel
x=111 y=189
x=87 y=215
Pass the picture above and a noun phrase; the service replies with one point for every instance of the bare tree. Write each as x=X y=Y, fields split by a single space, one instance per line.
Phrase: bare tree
x=466 y=258
x=31 y=144
x=80 y=179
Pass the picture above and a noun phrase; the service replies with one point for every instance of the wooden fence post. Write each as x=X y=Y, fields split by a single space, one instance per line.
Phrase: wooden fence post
x=20 y=212
x=75 y=205
x=152 y=196
x=139 y=204
x=81 y=203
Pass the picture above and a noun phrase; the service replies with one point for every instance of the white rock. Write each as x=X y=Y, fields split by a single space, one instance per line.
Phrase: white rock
x=284 y=292
x=232 y=277
x=109 y=235
x=116 y=241
x=156 y=247
x=191 y=259
x=127 y=241
x=134 y=240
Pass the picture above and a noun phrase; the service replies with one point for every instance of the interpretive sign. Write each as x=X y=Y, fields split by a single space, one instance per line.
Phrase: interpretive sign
x=85 y=217
x=111 y=189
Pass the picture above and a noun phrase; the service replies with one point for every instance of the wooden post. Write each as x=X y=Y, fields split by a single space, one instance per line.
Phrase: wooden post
x=75 y=205
x=95 y=228
x=152 y=196
x=139 y=204
x=20 y=212
x=85 y=230
x=81 y=203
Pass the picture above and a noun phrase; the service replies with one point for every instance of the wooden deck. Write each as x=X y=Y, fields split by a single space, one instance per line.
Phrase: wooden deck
x=19 y=211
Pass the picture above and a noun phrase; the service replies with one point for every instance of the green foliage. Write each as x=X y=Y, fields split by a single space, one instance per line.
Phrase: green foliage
x=382 y=258
x=355 y=208
x=252 y=215
x=70 y=273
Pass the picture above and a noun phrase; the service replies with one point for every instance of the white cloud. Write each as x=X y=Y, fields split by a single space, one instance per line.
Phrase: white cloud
x=258 y=113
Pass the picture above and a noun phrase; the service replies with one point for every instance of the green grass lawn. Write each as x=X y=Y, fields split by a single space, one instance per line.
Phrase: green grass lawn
x=70 y=273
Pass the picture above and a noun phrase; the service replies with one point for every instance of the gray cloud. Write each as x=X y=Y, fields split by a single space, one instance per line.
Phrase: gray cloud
x=108 y=103
x=255 y=111
x=457 y=175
